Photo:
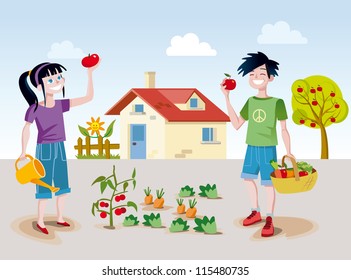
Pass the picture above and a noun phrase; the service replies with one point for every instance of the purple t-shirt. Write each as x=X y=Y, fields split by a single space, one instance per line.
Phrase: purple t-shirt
x=49 y=121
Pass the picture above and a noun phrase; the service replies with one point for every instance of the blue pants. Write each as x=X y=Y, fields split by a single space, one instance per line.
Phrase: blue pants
x=257 y=160
x=53 y=158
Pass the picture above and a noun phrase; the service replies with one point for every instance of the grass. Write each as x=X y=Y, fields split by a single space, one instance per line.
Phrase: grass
x=95 y=156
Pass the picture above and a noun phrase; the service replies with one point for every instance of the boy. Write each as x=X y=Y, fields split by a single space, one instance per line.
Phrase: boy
x=261 y=112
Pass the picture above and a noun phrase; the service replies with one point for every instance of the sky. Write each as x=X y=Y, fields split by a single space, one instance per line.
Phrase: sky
x=187 y=43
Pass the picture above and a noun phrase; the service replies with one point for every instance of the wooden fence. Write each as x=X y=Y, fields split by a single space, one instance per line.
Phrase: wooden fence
x=101 y=146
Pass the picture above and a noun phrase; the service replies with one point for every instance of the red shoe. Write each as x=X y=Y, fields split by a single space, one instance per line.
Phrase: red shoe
x=254 y=217
x=268 y=229
x=43 y=230
x=65 y=224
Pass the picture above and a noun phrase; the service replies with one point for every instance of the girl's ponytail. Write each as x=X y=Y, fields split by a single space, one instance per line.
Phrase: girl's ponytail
x=27 y=92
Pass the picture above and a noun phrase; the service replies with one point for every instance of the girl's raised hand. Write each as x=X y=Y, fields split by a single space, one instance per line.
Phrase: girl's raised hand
x=91 y=69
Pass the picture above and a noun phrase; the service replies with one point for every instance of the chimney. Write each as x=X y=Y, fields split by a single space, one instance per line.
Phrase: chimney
x=150 y=79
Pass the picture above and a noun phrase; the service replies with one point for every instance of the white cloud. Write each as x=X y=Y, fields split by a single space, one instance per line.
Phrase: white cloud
x=280 y=33
x=65 y=50
x=189 y=45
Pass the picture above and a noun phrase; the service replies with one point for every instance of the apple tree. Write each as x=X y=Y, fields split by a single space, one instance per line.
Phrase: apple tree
x=317 y=103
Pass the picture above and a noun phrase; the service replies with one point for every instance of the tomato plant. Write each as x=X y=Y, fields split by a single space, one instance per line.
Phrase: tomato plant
x=115 y=204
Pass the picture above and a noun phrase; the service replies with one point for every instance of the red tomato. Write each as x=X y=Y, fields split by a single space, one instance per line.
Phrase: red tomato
x=90 y=60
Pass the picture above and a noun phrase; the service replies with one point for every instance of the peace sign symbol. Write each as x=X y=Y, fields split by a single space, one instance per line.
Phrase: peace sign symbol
x=259 y=115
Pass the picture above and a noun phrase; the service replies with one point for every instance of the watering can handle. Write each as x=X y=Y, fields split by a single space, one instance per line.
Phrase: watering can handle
x=16 y=163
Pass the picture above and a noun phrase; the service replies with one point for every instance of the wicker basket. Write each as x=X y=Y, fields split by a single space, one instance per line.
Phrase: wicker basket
x=296 y=184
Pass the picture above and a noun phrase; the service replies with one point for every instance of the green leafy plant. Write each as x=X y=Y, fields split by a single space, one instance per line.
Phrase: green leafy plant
x=115 y=203
x=186 y=191
x=153 y=220
x=130 y=220
x=209 y=191
x=179 y=225
x=206 y=225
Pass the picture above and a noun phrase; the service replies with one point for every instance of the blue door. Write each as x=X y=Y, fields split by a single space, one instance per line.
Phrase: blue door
x=138 y=141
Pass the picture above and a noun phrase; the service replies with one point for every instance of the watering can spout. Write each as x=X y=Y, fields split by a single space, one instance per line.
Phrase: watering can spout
x=45 y=185
x=32 y=172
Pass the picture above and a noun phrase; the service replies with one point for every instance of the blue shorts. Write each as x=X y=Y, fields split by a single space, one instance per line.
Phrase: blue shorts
x=257 y=160
x=53 y=158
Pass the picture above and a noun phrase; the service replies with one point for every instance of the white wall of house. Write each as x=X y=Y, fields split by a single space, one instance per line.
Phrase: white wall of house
x=184 y=140
x=155 y=130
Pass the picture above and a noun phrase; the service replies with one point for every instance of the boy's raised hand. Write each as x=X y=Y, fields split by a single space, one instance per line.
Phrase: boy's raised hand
x=224 y=90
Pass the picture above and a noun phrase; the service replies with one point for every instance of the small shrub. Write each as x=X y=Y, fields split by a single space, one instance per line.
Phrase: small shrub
x=209 y=191
x=179 y=225
x=206 y=225
x=153 y=220
x=186 y=191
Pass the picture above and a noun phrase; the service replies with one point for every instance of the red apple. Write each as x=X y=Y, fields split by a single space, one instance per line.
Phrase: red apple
x=302 y=121
x=313 y=124
x=319 y=88
x=229 y=83
x=337 y=106
x=332 y=119
x=314 y=102
x=300 y=89
x=90 y=60
x=332 y=94
x=312 y=90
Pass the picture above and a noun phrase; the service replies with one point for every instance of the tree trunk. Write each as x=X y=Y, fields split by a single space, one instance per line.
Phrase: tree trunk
x=324 y=142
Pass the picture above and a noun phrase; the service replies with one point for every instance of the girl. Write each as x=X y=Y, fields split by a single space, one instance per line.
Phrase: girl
x=48 y=116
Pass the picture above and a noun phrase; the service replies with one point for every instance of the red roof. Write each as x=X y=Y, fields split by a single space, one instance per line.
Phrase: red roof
x=163 y=100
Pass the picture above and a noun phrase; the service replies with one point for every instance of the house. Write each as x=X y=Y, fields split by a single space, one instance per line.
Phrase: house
x=169 y=123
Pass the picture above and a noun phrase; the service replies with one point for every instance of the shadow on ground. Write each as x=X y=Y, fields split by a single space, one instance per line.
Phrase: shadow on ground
x=290 y=227
x=27 y=226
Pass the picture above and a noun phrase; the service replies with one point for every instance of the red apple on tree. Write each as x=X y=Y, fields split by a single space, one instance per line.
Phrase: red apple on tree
x=90 y=60
x=337 y=106
x=299 y=89
x=229 y=83
x=332 y=94
x=302 y=121
x=332 y=119
x=314 y=102
x=312 y=90
x=313 y=124
x=319 y=88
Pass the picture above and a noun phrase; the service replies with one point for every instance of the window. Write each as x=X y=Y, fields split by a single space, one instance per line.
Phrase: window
x=139 y=108
x=207 y=134
x=193 y=103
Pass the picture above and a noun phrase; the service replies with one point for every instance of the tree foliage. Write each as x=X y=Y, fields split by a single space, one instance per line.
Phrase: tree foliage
x=317 y=102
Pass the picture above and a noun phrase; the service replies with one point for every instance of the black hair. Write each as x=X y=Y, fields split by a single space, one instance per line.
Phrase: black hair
x=255 y=60
x=36 y=76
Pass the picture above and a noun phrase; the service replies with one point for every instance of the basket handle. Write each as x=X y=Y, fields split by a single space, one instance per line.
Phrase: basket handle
x=293 y=161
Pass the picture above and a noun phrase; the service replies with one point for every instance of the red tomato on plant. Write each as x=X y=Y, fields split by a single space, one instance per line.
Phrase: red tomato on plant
x=90 y=60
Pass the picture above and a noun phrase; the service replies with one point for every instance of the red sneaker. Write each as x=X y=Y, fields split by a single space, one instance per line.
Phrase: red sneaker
x=254 y=217
x=268 y=229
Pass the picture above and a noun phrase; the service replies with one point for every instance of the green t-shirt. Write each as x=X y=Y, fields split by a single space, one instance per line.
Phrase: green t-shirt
x=262 y=115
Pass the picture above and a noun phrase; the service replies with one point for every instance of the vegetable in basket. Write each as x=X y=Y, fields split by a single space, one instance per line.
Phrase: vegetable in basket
x=283 y=172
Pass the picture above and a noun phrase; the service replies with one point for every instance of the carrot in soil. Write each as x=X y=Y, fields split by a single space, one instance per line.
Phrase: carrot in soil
x=159 y=201
x=191 y=212
x=181 y=206
x=148 y=196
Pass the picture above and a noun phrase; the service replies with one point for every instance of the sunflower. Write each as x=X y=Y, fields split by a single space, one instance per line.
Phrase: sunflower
x=95 y=126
